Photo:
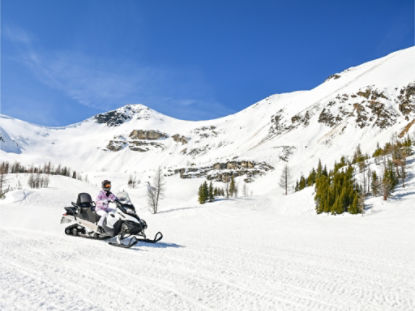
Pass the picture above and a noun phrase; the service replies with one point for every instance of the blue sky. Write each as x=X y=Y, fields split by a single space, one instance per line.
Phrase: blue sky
x=64 y=61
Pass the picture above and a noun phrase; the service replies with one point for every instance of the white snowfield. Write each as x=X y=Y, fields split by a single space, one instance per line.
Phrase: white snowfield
x=260 y=253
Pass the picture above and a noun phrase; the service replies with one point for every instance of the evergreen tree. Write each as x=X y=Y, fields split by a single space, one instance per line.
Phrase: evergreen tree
x=378 y=152
x=203 y=193
x=319 y=169
x=354 y=208
x=389 y=180
x=302 y=183
x=311 y=179
x=322 y=185
x=357 y=155
x=324 y=172
x=210 y=193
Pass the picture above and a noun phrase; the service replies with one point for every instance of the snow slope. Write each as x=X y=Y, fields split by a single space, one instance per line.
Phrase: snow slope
x=259 y=253
x=323 y=123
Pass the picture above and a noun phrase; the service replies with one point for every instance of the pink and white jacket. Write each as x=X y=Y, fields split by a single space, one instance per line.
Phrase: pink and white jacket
x=103 y=200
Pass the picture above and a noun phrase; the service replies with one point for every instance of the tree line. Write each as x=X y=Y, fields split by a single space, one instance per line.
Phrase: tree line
x=47 y=168
x=36 y=178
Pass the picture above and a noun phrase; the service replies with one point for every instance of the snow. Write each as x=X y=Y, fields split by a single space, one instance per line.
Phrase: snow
x=265 y=251
x=257 y=253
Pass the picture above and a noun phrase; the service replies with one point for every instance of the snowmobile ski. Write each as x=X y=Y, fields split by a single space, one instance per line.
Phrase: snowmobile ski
x=132 y=241
x=156 y=238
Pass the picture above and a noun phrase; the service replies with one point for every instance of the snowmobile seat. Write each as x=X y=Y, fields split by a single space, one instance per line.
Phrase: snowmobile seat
x=87 y=207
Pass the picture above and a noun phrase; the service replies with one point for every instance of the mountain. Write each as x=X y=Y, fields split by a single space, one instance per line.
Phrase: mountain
x=364 y=105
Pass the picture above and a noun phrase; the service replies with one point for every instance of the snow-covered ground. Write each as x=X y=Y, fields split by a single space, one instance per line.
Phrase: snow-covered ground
x=259 y=253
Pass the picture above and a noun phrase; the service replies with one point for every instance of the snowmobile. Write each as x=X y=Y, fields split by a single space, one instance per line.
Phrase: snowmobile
x=122 y=226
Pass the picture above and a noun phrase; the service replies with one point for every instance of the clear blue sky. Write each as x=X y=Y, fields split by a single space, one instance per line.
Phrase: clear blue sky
x=63 y=61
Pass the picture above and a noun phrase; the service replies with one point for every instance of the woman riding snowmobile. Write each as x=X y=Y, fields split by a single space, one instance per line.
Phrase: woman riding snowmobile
x=104 y=197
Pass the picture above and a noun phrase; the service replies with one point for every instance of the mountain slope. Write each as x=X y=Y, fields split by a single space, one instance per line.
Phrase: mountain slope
x=362 y=105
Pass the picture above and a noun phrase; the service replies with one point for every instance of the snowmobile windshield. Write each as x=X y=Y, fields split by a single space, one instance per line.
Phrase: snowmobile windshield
x=124 y=198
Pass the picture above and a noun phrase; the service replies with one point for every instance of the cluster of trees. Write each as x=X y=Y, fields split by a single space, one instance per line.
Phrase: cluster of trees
x=38 y=181
x=310 y=180
x=358 y=158
x=385 y=184
x=393 y=147
x=207 y=193
x=336 y=190
x=393 y=155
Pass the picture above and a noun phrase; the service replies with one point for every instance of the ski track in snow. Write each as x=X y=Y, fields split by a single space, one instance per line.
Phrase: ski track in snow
x=215 y=258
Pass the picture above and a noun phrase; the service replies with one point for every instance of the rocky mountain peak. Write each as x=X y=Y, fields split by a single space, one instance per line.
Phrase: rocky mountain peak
x=126 y=113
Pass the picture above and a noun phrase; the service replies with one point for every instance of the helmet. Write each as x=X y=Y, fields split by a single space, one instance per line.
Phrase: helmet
x=106 y=185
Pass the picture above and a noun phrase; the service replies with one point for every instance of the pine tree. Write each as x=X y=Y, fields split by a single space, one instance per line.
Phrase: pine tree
x=378 y=152
x=210 y=193
x=319 y=169
x=202 y=198
x=324 y=172
x=203 y=193
x=302 y=183
x=354 y=208
x=311 y=179
x=389 y=180
x=320 y=197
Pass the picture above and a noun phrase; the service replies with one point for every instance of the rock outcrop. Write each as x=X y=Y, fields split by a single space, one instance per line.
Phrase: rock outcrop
x=147 y=135
x=180 y=139
x=223 y=171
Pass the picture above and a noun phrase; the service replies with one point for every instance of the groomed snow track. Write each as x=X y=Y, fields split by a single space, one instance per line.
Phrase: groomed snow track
x=263 y=263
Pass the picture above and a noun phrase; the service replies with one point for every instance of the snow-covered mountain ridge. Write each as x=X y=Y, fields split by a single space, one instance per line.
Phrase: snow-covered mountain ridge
x=362 y=105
